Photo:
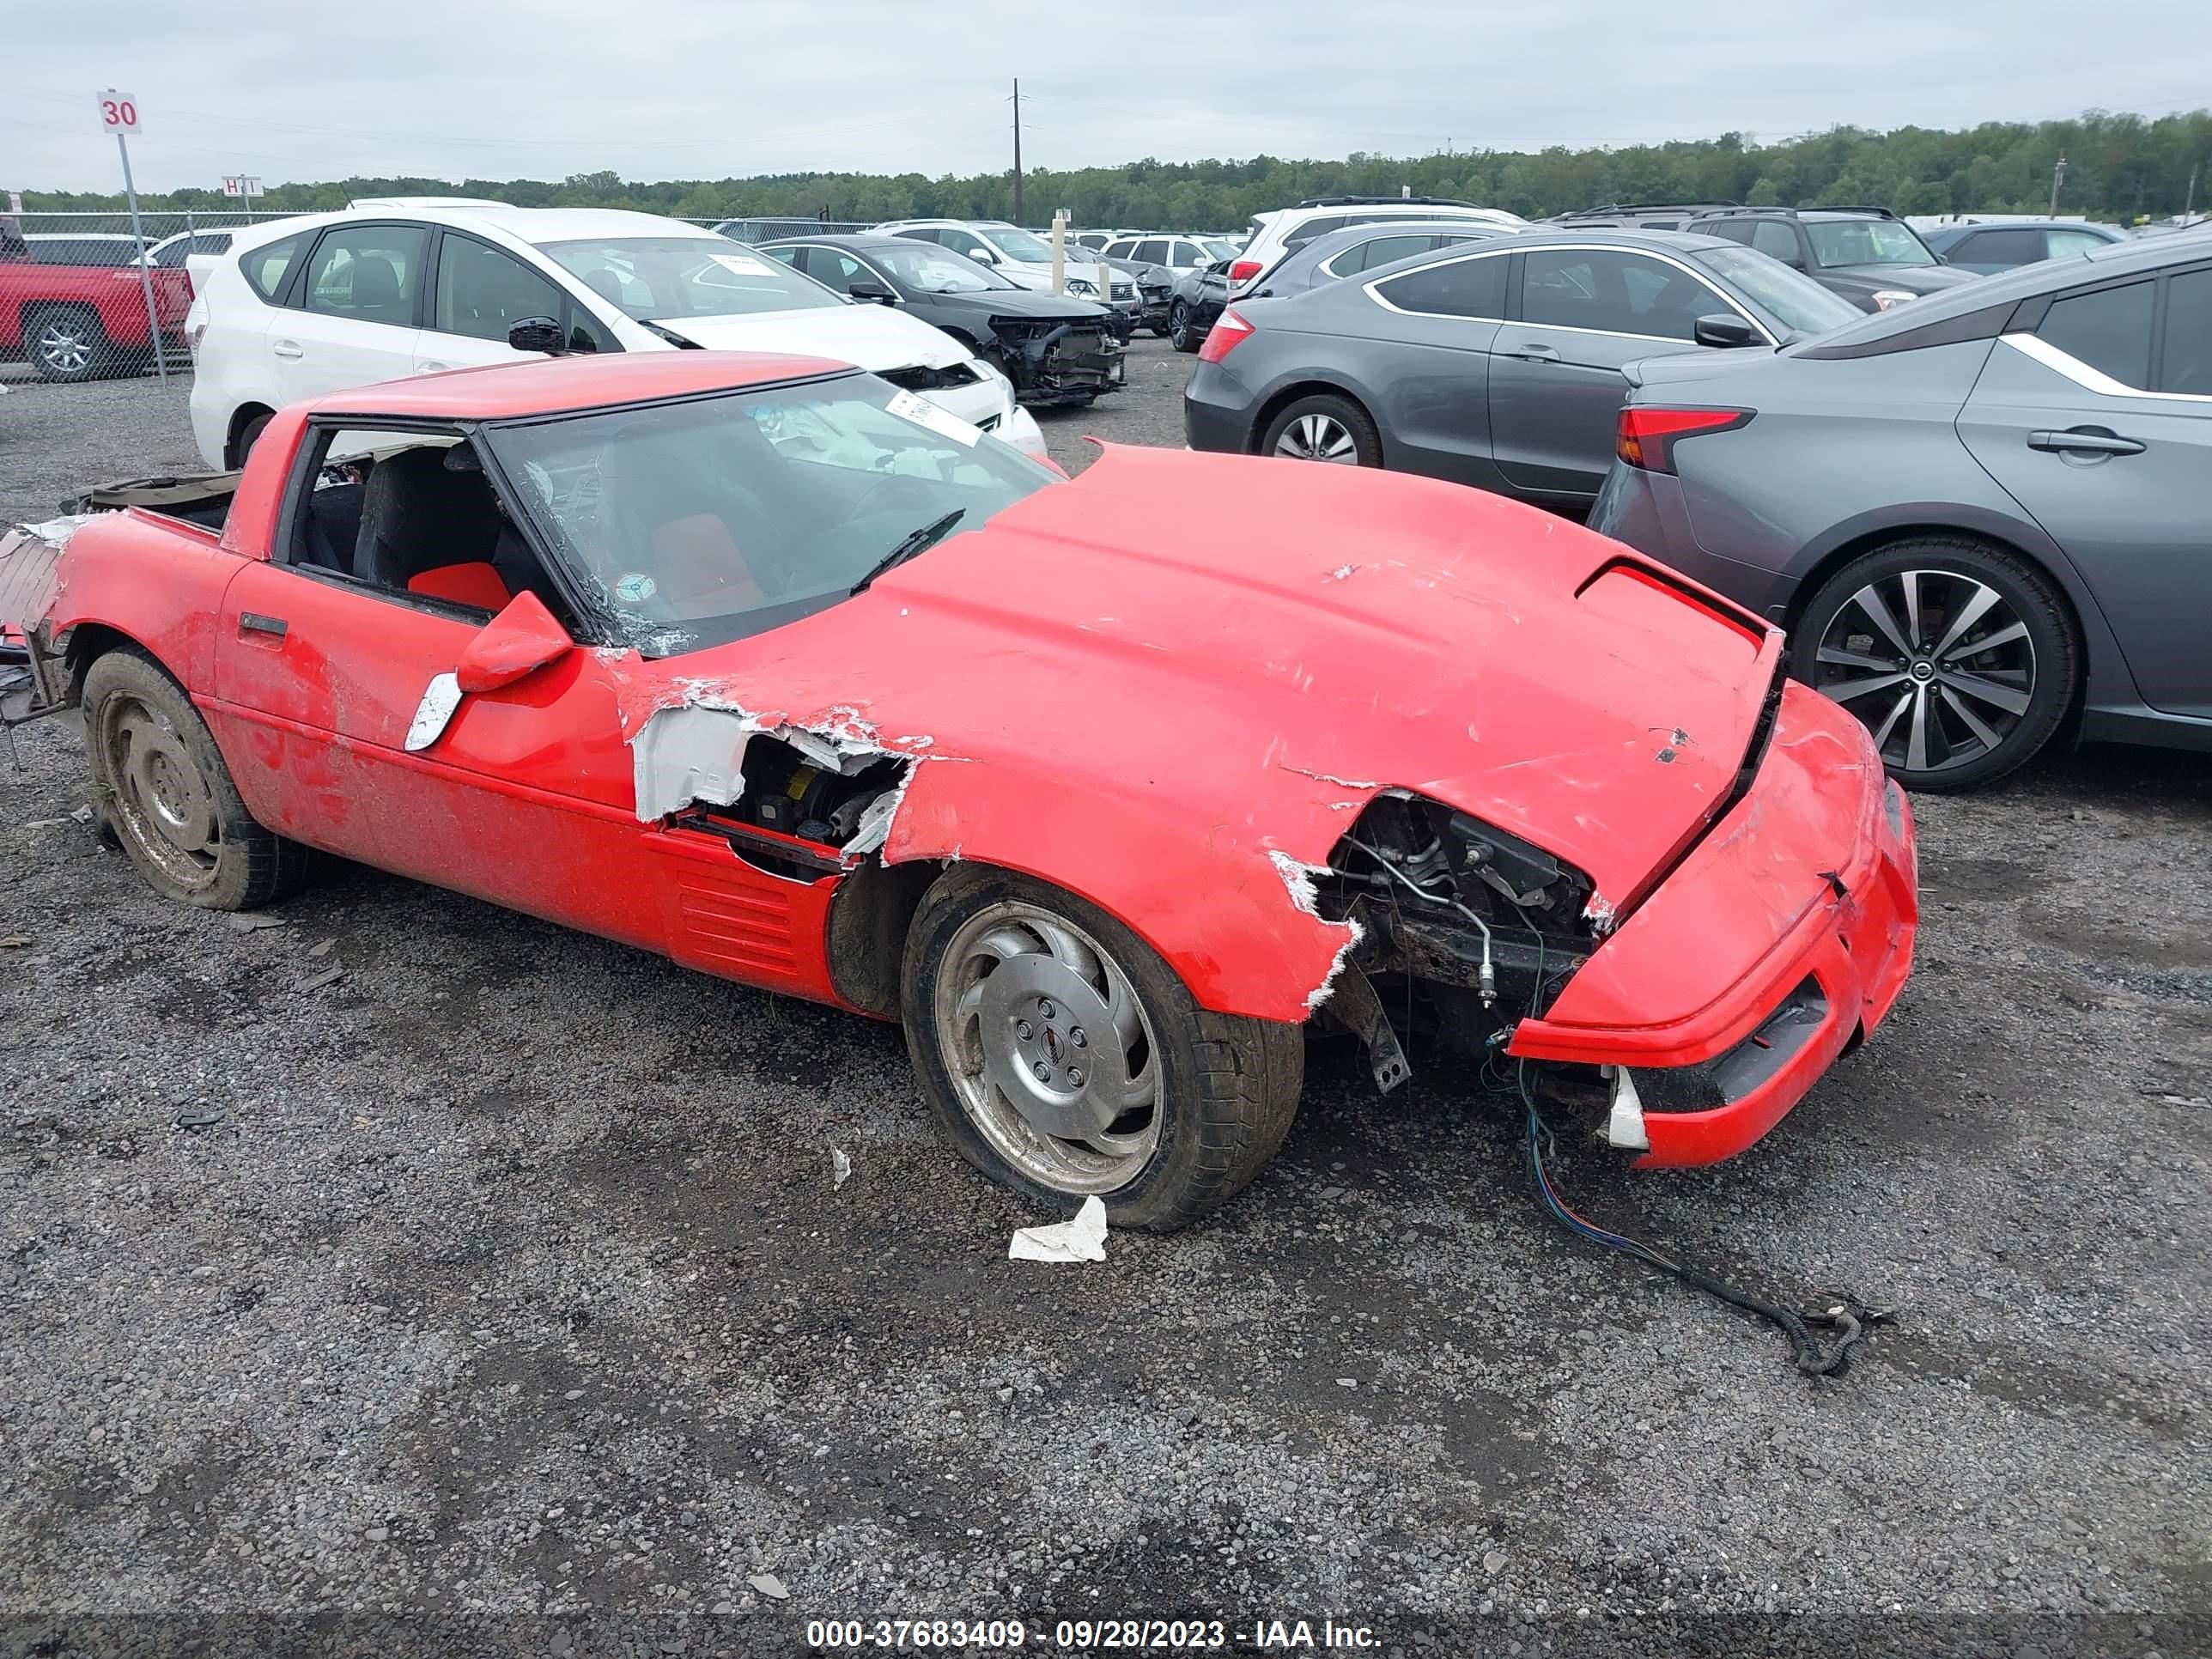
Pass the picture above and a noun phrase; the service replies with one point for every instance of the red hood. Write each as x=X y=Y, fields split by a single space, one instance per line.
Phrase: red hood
x=1257 y=644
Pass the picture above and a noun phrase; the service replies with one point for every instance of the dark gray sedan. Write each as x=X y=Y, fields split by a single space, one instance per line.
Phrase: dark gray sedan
x=1497 y=365
x=1976 y=514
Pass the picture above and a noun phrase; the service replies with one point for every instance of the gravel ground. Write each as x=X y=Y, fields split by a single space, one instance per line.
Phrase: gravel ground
x=510 y=1281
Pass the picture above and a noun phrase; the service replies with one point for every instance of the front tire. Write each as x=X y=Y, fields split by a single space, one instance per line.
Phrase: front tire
x=1065 y=1059
x=168 y=798
x=1324 y=428
x=67 y=344
x=1959 y=656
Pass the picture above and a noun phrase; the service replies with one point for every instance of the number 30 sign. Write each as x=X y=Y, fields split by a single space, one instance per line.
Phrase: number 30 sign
x=118 y=112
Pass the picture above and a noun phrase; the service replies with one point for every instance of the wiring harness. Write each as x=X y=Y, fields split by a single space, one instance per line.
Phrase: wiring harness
x=1846 y=1315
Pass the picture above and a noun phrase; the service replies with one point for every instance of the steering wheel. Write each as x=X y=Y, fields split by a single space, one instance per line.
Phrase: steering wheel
x=891 y=491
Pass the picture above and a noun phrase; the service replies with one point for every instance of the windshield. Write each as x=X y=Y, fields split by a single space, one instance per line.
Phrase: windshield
x=1791 y=297
x=692 y=524
x=1024 y=249
x=1218 y=248
x=654 y=277
x=1866 y=242
x=933 y=270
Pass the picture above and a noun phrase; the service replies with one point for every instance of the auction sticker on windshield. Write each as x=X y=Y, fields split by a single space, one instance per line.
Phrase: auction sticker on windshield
x=943 y=421
x=740 y=264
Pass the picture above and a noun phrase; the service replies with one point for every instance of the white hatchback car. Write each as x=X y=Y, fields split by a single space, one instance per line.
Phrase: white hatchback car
x=409 y=285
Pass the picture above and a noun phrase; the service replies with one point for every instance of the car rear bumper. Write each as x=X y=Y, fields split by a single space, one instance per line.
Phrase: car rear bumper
x=1217 y=411
x=1780 y=943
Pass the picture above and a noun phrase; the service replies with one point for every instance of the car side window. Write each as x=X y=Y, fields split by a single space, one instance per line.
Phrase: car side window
x=1611 y=293
x=1118 y=250
x=368 y=273
x=1380 y=251
x=2184 y=358
x=482 y=292
x=1184 y=255
x=1465 y=288
x=1154 y=251
x=1999 y=247
x=2108 y=328
x=1312 y=228
x=266 y=268
x=794 y=257
x=2064 y=244
x=1729 y=230
x=411 y=517
x=1773 y=238
x=959 y=241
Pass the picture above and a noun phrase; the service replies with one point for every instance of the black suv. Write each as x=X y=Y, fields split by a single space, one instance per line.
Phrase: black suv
x=1867 y=254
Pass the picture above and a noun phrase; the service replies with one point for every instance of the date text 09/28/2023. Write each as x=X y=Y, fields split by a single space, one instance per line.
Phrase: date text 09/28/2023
x=1094 y=1635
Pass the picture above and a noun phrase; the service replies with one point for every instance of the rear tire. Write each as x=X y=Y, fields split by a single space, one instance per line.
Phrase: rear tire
x=1952 y=706
x=163 y=790
x=66 y=343
x=1182 y=332
x=1324 y=428
x=248 y=435
x=1215 y=1093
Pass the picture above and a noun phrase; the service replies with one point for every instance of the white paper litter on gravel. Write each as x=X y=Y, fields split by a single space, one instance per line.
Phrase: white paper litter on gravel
x=1082 y=1239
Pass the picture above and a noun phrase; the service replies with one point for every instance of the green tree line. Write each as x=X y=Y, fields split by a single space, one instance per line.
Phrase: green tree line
x=2119 y=167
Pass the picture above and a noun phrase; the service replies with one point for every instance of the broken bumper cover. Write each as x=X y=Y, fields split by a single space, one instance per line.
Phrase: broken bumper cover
x=1778 y=945
x=1061 y=364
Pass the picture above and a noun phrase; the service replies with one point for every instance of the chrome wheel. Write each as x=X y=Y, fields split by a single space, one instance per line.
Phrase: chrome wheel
x=65 y=345
x=1048 y=1048
x=162 y=801
x=1936 y=663
x=1318 y=438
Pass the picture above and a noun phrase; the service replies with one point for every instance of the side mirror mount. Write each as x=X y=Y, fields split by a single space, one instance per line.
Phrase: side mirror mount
x=513 y=645
x=1724 y=330
x=537 y=334
x=880 y=292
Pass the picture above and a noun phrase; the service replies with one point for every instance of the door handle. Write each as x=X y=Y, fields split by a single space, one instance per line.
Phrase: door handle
x=2085 y=440
x=1535 y=352
x=287 y=348
x=252 y=622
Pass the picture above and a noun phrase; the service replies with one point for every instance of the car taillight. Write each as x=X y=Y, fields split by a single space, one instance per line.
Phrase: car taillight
x=1229 y=332
x=1646 y=437
x=1243 y=271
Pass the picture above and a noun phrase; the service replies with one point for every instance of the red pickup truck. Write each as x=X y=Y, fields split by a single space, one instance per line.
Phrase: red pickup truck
x=78 y=322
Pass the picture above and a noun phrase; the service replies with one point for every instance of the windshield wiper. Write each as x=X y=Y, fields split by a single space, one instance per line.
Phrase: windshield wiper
x=919 y=541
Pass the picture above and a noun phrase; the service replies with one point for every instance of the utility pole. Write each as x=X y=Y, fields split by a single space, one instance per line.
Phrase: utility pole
x=2056 y=175
x=1018 y=151
x=2190 y=206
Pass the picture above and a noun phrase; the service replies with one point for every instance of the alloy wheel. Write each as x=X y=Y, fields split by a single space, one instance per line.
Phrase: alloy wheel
x=1049 y=1050
x=1318 y=438
x=1937 y=663
x=64 y=347
x=162 y=801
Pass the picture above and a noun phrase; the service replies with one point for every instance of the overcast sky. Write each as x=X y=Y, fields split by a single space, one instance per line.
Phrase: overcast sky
x=679 y=88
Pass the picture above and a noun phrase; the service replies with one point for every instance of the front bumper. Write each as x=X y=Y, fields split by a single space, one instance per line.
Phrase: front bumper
x=1780 y=942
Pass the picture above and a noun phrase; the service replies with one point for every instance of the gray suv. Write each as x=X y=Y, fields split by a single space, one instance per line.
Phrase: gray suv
x=1976 y=513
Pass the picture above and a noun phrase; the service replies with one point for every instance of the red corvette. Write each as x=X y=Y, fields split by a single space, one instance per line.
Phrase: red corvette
x=1105 y=787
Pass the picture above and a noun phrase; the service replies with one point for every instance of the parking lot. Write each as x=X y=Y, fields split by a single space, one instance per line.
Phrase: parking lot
x=507 y=1275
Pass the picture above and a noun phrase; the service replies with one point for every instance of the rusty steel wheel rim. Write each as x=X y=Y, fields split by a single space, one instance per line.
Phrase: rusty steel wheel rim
x=1048 y=1048
x=163 y=804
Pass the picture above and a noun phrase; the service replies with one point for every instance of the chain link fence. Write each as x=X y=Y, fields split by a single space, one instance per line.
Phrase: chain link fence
x=83 y=298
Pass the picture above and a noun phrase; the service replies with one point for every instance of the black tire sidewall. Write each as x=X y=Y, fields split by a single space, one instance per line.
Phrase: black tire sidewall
x=131 y=673
x=1169 y=1189
x=2033 y=600
x=1179 y=333
x=1366 y=442
x=248 y=435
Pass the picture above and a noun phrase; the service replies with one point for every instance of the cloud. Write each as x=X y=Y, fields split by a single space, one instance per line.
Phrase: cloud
x=671 y=88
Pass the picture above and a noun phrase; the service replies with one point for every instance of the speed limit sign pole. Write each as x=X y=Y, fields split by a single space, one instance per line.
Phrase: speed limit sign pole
x=119 y=114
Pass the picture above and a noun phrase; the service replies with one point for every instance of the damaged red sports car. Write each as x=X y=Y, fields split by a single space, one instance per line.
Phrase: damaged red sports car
x=1105 y=788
